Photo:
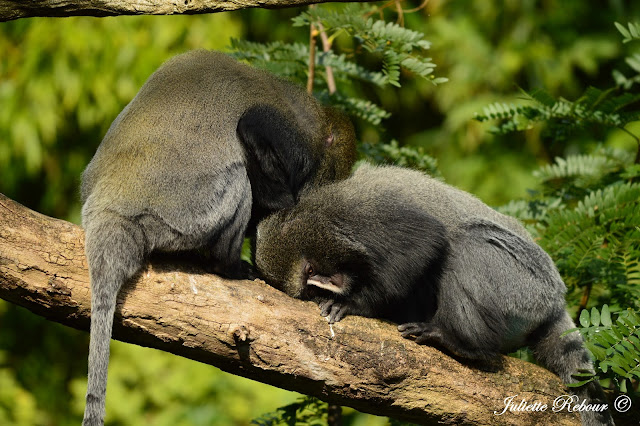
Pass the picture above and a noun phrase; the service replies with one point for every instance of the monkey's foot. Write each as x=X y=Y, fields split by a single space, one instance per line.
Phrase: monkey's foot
x=424 y=332
x=334 y=311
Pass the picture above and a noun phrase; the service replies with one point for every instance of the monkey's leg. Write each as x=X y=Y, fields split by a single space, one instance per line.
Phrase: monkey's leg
x=428 y=333
x=565 y=356
x=209 y=220
x=115 y=252
x=227 y=246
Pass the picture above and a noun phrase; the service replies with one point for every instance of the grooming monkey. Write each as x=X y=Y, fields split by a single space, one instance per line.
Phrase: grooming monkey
x=454 y=273
x=206 y=149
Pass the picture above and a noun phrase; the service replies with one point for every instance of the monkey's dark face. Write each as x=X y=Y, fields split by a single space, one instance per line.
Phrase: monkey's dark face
x=314 y=278
x=300 y=257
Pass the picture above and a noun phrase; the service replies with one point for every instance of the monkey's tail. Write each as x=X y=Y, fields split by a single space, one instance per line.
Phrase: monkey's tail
x=565 y=356
x=115 y=250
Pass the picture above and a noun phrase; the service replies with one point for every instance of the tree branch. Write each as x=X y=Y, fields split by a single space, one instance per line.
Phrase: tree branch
x=250 y=329
x=15 y=9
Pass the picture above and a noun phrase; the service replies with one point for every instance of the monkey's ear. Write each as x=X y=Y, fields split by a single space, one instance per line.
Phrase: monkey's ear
x=278 y=152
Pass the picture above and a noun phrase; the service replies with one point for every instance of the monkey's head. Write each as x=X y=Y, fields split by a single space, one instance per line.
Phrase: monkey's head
x=338 y=146
x=305 y=255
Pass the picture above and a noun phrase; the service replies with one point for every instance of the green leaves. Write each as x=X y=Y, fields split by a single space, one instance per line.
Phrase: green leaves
x=630 y=33
x=289 y=60
x=398 y=47
x=357 y=107
x=614 y=107
x=404 y=156
x=387 y=47
x=585 y=211
x=307 y=411
x=615 y=345
x=593 y=107
x=598 y=241
x=594 y=317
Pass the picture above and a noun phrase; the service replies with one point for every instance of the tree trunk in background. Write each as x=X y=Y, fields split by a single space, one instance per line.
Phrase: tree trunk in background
x=11 y=9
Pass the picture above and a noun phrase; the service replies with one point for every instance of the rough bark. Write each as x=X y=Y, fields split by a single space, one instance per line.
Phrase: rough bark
x=252 y=330
x=15 y=9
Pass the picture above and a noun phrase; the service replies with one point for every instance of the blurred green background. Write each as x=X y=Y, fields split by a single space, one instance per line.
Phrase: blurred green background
x=63 y=81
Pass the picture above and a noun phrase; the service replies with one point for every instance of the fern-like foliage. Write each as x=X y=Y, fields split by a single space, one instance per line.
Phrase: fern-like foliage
x=574 y=177
x=357 y=107
x=630 y=33
x=585 y=212
x=404 y=156
x=598 y=241
x=614 y=345
x=288 y=60
x=305 y=411
x=614 y=107
x=396 y=47
x=532 y=213
x=595 y=107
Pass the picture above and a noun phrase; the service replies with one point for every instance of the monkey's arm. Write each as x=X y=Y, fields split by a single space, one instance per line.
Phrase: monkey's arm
x=398 y=249
x=278 y=154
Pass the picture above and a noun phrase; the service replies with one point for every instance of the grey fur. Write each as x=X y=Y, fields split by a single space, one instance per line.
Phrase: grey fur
x=206 y=148
x=452 y=271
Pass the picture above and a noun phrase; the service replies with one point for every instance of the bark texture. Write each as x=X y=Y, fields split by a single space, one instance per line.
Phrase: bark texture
x=252 y=330
x=15 y=9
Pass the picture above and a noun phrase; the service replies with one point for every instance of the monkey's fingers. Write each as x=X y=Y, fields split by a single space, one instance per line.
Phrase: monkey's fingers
x=325 y=306
x=338 y=311
x=248 y=271
x=334 y=311
x=412 y=328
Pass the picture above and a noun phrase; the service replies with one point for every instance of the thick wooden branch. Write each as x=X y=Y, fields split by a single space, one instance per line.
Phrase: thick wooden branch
x=15 y=9
x=250 y=329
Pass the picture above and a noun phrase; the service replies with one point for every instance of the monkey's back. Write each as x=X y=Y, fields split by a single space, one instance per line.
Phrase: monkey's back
x=185 y=115
x=448 y=204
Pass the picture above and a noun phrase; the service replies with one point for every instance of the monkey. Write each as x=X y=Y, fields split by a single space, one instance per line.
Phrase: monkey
x=207 y=148
x=396 y=244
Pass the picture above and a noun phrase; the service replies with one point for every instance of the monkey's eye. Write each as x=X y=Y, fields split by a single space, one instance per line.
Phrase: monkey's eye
x=308 y=269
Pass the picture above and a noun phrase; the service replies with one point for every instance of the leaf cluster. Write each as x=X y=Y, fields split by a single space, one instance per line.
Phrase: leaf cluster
x=614 y=107
x=397 y=46
x=392 y=46
x=306 y=411
x=586 y=214
x=614 y=345
x=595 y=107
x=404 y=156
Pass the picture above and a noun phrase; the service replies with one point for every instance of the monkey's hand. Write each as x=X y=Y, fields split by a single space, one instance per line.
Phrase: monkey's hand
x=248 y=271
x=424 y=332
x=334 y=310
